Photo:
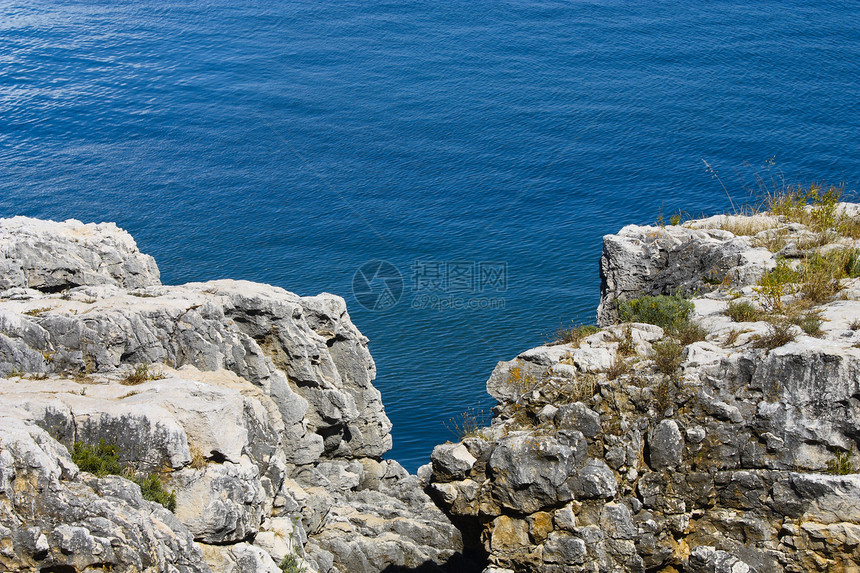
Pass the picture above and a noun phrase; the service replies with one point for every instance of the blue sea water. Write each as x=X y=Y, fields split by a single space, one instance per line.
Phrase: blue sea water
x=480 y=148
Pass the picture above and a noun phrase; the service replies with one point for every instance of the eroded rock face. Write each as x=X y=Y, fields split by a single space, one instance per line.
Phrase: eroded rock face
x=52 y=257
x=254 y=405
x=257 y=331
x=646 y=260
x=52 y=515
x=376 y=514
x=597 y=460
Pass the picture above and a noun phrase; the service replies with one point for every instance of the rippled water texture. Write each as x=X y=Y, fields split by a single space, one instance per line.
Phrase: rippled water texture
x=291 y=143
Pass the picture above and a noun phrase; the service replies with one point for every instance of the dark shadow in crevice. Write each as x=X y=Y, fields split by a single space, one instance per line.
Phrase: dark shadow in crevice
x=54 y=289
x=458 y=563
x=58 y=569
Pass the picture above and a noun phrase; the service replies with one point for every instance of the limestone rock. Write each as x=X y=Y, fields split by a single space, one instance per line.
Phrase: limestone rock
x=52 y=257
x=254 y=406
x=531 y=472
x=600 y=462
x=663 y=260
x=80 y=523
x=220 y=503
x=453 y=460
x=666 y=445
x=258 y=332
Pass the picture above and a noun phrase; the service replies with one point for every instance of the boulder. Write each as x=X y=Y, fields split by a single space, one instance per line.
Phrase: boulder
x=51 y=257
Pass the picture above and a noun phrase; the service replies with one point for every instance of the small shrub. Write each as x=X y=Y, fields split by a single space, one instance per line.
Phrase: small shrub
x=779 y=334
x=619 y=367
x=809 y=321
x=574 y=334
x=854 y=324
x=663 y=395
x=667 y=312
x=626 y=346
x=775 y=284
x=153 y=490
x=140 y=375
x=851 y=263
x=841 y=464
x=820 y=275
x=849 y=227
x=691 y=332
x=743 y=311
x=580 y=389
x=815 y=206
x=101 y=461
x=819 y=288
x=789 y=202
x=667 y=356
x=823 y=215
x=291 y=564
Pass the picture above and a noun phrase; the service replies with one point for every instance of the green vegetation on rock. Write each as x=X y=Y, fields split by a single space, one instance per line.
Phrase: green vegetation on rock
x=103 y=460
x=669 y=312
x=140 y=375
x=743 y=311
x=290 y=564
x=575 y=333
x=841 y=464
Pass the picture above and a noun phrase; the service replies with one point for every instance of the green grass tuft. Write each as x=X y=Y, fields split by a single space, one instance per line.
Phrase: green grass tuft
x=779 y=334
x=152 y=489
x=290 y=564
x=140 y=375
x=841 y=464
x=775 y=284
x=743 y=311
x=668 y=312
x=810 y=322
x=574 y=334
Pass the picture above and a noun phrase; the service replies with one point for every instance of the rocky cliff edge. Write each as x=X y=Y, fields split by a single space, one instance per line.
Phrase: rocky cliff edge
x=725 y=442
x=254 y=406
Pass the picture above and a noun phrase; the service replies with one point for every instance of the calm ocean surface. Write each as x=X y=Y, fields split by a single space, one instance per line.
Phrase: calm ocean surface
x=480 y=148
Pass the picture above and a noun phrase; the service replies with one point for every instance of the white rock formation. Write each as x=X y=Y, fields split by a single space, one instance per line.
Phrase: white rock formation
x=253 y=405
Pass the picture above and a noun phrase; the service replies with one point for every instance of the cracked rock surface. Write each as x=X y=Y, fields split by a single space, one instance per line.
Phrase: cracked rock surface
x=254 y=406
x=598 y=459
